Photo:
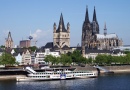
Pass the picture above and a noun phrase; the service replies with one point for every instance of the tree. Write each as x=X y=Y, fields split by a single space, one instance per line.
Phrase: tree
x=76 y=56
x=126 y=51
x=83 y=60
x=109 y=59
x=2 y=46
x=33 y=48
x=51 y=59
x=48 y=58
x=7 y=59
x=127 y=58
x=101 y=59
x=90 y=60
x=65 y=59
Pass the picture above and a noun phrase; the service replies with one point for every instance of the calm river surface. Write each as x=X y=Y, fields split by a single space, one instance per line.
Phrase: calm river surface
x=106 y=82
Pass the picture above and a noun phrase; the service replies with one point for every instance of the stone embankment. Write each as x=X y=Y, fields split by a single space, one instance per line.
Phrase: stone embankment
x=10 y=77
x=118 y=69
x=115 y=69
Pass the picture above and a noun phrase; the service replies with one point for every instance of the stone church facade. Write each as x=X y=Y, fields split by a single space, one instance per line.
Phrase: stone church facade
x=9 y=41
x=92 y=39
x=61 y=36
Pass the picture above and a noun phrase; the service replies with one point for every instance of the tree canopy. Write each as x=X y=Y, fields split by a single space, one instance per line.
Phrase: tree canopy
x=7 y=59
x=103 y=59
x=66 y=59
x=33 y=48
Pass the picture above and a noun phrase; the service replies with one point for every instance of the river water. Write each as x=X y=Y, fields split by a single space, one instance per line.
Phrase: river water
x=104 y=82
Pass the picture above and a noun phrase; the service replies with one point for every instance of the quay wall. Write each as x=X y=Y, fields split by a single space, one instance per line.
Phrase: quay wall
x=115 y=69
x=10 y=77
x=118 y=69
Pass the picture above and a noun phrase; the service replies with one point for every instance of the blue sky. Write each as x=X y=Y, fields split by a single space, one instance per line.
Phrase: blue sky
x=38 y=16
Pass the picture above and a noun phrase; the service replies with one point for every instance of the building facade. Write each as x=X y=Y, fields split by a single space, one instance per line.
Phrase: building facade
x=26 y=58
x=61 y=36
x=9 y=41
x=25 y=43
x=92 y=39
x=89 y=53
x=41 y=55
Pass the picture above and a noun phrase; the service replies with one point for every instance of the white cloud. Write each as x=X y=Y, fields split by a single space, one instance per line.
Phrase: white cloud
x=42 y=36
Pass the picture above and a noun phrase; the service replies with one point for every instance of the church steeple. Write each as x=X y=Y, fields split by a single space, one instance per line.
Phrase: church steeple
x=61 y=36
x=9 y=41
x=87 y=16
x=95 y=25
x=94 y=15
x=9 y=36
x=61 y=27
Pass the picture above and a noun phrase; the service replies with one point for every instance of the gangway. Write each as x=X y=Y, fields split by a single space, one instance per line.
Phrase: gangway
x=30 y=70
x=104 y=69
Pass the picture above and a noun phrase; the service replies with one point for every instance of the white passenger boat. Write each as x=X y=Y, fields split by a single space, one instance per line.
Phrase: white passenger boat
x=55 y=75
x=47 y=75
x=85 y=74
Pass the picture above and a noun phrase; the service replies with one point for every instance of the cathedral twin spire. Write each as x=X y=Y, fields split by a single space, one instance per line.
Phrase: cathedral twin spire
x=94 y=15
x=87 y=16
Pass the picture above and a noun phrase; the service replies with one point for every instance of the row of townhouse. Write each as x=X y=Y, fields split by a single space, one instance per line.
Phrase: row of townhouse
x=26 y=57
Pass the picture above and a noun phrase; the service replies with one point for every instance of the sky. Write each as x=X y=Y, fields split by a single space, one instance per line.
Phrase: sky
x=36 y=17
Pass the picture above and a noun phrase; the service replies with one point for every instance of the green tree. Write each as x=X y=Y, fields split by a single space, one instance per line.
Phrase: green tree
x=48 y=58
x=33 y=48
x=57 y=60
x=127 y=58
x=7 y=59
x=65 y=59
x=83 y=60
x=126 y=51
x=101 y=59
x=51 y=59
x=109 y=59
x=2 y=46
x=89 y=60
x=76 y=56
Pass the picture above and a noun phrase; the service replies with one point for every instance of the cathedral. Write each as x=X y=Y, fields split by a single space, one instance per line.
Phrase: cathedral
x=61 y=36
x=92 y=39
x=9 y=41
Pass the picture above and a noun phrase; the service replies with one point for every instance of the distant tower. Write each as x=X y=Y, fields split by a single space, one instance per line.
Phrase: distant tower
x=61 y=35
x=9 y=41
x=105 y=29
x=30 y=37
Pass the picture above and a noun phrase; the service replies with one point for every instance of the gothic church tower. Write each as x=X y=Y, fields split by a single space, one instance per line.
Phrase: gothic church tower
x=86 y=33
x=9 y=41
x=89 y=30
x=94 y=23
x=61 y=35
